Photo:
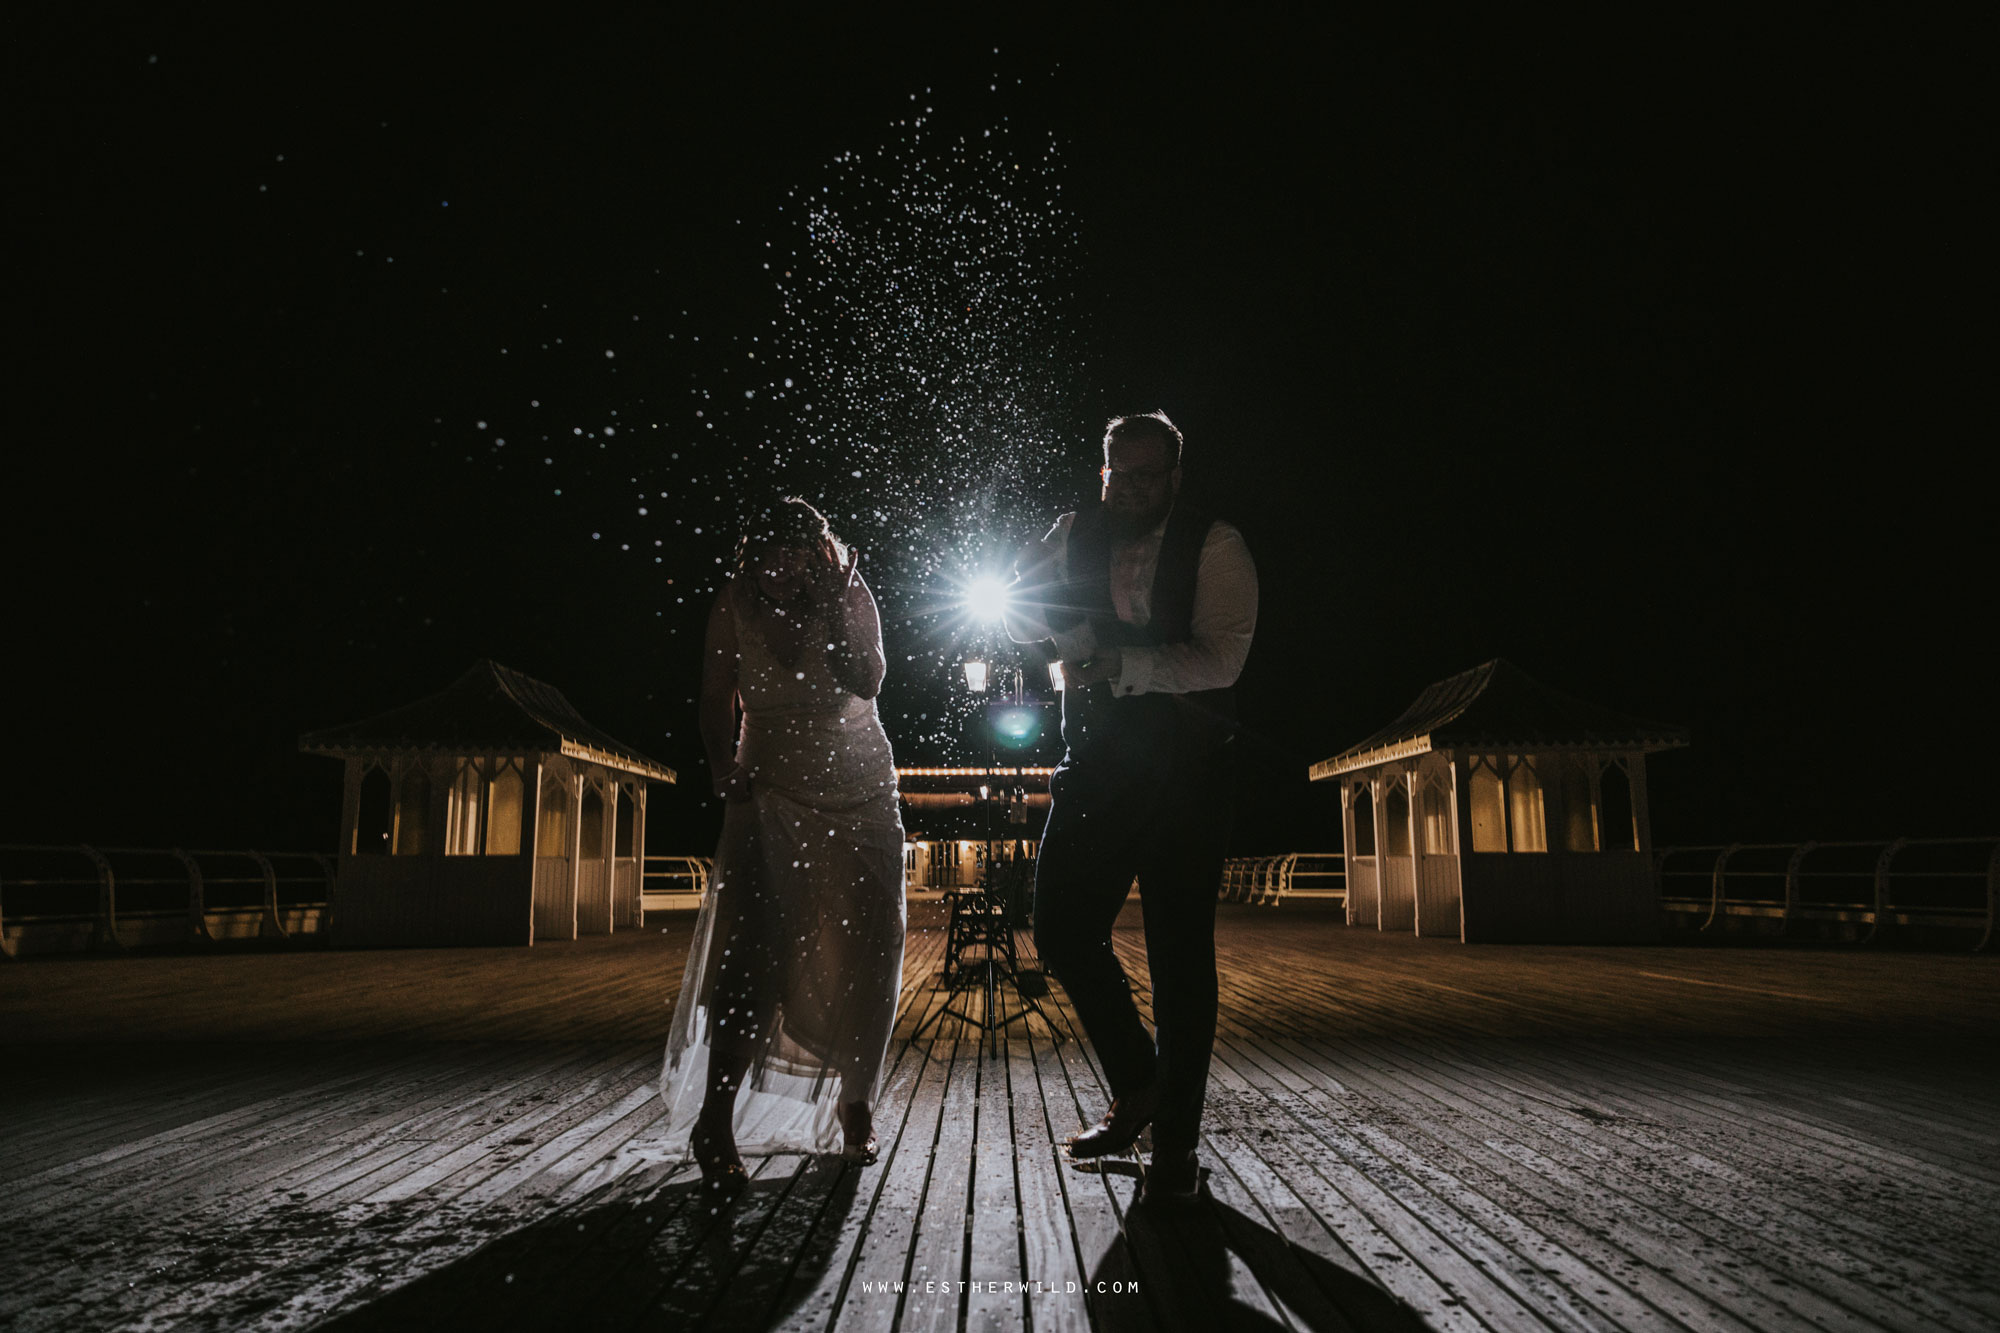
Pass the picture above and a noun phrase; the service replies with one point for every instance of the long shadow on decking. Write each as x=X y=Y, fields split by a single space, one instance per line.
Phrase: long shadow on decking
x=675 y=1258
x=667 y=1258
x=1185 y=1254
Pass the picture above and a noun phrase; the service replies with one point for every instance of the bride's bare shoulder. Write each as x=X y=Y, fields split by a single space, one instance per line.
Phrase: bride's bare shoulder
x=727 y=611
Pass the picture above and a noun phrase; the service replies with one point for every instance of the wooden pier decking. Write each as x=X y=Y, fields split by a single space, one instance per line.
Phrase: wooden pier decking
x=1400 y=1133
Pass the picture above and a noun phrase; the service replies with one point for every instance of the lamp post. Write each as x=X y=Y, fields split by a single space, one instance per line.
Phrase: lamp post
x=984 y=916
x=979 y=674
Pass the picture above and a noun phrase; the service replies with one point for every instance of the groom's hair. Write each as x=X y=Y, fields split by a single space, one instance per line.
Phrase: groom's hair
x=1145 y=426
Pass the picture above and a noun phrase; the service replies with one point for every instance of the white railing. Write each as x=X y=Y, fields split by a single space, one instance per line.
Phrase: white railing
x=1270 y=880
x=1921 y=882
x=671 y=882
x=77 y=896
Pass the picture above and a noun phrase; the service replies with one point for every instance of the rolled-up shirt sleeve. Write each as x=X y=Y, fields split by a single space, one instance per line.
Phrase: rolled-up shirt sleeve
x=1043 y=566
x=1221 y=626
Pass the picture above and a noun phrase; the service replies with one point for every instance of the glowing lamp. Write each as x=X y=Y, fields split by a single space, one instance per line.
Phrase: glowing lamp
x=975 y=676
x=986 y=598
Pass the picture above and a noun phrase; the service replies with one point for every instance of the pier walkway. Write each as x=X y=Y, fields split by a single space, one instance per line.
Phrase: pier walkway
x=1401 y=1133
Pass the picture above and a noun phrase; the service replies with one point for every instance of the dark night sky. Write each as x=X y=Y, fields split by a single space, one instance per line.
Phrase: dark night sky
x=1641 y=354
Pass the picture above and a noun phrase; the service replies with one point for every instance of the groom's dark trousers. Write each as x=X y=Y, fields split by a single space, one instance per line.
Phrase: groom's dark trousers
x=1164 y=818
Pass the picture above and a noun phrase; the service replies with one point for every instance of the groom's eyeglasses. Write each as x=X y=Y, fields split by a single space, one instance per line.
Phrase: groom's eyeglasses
x=1137 y=476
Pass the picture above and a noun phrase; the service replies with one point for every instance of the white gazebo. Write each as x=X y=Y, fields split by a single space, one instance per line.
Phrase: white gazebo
x=1498 y=809
x=491 y=813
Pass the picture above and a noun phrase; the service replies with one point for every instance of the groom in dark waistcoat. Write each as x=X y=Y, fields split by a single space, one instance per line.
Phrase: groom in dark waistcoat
x=1150 y=603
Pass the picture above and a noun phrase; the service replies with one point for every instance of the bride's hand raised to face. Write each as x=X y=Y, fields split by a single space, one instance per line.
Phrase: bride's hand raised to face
x=833 y=575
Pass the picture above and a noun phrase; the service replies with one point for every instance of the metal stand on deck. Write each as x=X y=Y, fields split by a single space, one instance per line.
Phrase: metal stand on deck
x=982 y=923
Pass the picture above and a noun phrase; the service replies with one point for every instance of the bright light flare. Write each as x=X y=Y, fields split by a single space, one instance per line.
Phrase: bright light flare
x=986 y=599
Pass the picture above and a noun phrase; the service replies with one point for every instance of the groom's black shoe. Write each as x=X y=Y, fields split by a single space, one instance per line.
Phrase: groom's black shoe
x=1173 y=1176
x=1120 y=1127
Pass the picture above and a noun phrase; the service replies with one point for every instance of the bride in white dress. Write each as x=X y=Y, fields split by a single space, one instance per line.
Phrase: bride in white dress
x=785 y=1011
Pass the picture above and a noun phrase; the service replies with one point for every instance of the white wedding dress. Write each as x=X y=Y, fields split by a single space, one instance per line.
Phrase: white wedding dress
x=804 y=912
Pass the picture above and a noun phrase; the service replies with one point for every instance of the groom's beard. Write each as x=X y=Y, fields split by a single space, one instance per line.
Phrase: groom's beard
x=1126 y=524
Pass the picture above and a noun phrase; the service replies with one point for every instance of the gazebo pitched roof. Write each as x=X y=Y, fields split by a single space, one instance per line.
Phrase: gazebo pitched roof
x=491 y=709
x=1499 y=706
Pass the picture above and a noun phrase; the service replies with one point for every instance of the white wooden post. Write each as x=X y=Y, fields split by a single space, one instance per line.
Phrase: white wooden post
x=1414 y=796
x=1635 y=767
x=1461 y=827
x=440 y=810
x=576 y=842
x=531 y=831
x=1347 y=842
x=639 y=852
x=1376 y=790
x=1461 y=818
x=612 y=790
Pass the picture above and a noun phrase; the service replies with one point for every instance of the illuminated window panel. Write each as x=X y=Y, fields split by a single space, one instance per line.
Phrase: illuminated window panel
x=1488 y=809
x=462 y=818
x=503 y=812
x=1525 y=820
x=1396 y=815
x=1364 y=821
x=413 y=813
x=552 y=826
x=1578 y=806
x=1436 y=804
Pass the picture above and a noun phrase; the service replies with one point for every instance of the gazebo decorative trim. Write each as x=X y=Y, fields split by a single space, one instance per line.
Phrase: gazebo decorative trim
x=490 y=812
x=491 y=710
x=1498 y=706
x=644 y=768
x=1497 y=809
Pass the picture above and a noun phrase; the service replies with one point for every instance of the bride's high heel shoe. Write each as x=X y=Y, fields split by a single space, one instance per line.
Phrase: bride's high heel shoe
x=715 y=1153
x=868 y=1149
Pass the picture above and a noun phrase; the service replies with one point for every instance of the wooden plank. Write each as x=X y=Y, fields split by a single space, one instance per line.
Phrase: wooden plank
x=1786 y=1221
x=183 y=1174
x=1305 y=1294
x=996 y=1294
x=1639 y=1138
x=1421 y=1267
x=1049 y=1244
x=287 y=1253
x=1611 y=1265
x=1345 y=1293
x=881 y=1264
x=823 y=1274
x=472 y=1161
x=1578 y=1204
x=648 y=1245
x=932 y=1294
x=68 y=1184
x=173 y=1220
x=703 y=1274
x=1096 y=1200
x=1528 y=1263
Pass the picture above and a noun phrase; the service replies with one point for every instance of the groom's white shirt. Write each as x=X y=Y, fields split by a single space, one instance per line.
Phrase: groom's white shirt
x=1220 y=627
